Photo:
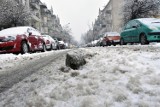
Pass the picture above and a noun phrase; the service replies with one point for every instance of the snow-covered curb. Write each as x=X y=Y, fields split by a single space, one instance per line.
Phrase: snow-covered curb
x=9 y=61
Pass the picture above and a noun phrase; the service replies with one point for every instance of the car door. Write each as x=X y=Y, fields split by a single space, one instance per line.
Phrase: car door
x=126 y=34
x=40 y=40
x=32 y=39
x=135 y=31
x=53 y=42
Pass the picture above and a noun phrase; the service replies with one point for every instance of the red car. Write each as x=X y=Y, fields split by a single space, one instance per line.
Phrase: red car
x=21 y=40
x=111 y=38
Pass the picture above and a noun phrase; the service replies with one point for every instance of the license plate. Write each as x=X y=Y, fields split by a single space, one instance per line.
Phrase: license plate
x=116 y=40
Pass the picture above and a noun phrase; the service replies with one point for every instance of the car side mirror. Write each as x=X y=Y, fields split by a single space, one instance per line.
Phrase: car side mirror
x=30 y=33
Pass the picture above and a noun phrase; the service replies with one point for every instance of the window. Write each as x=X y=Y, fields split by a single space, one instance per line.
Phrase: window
x=128 y=26
x=135 y=23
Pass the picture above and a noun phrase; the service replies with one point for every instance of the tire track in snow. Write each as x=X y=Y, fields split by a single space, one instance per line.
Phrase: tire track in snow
x=18 y=74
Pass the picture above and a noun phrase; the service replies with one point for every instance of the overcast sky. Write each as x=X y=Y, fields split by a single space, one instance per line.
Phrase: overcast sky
x=79 y=13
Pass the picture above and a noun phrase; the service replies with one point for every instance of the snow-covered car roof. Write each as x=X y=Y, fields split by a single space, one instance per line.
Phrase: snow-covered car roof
x=15 y=31
x=45 y=36
x=149 y=21
x=48 y=37
x=111 y=34
x=61 y=42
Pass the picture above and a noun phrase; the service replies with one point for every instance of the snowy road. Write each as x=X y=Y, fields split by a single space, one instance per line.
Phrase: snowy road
x=120 y=76
x=16 y=74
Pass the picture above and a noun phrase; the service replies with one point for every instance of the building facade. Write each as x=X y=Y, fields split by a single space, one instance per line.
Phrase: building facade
x=110 y=18
x=34 y=8
x=42 y=18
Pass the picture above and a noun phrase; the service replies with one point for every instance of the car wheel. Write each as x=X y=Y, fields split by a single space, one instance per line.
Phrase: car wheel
x=109 y=43
x=44 y=48
x=143 y=39
x=106 y=44
x=24 y=47
x=51 y=48
x=114 y=44
x=131 y=43
x=122 y=42
x=58 y=47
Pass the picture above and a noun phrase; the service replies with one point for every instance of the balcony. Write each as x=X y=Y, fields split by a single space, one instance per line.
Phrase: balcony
x=43 y=5
x=35 y=5
x=36 y=16
x=109 y=22
x=44 y=11
x=108 y=11
x=44 y=25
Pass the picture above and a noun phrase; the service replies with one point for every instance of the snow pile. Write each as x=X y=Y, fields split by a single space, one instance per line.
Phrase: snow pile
x=125 y=76
x=75 y=59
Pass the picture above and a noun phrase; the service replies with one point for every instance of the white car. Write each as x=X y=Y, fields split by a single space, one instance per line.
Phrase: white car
x=50 y=42
x=61 y=44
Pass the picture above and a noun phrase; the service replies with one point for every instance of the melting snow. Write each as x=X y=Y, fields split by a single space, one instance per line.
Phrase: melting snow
x=118 y=76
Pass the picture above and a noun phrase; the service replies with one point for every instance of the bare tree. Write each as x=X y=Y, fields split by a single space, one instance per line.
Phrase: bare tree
x=13 y=13
x=87 y=37
x=140 y=9
x=67 y=34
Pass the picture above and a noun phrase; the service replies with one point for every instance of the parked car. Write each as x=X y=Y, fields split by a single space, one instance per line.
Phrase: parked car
x=111 y=38
x=50 y=42
x=94 y=43
x=21 y=40
x=57 y=43
x=143 y=30
x=99 y=42
x=61 y=44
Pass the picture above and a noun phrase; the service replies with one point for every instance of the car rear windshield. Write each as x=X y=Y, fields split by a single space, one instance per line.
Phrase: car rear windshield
x=113 y=34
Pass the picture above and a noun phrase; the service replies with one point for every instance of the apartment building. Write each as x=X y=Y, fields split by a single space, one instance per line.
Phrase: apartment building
x=50 y=22
x=110 y=18
x=34 y=8
x=42 y=18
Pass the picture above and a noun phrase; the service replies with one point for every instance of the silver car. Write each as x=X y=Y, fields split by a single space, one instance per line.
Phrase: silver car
x=50 y=42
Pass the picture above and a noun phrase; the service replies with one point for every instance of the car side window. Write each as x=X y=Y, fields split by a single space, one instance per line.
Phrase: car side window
x=137 y=24
x=133 y=23
x=29 y=30
x=128 y=26
x=35 y=32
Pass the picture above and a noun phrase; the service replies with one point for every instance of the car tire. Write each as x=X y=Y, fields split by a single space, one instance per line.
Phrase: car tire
x=114 y=44
x=51 y=48
x=109 y=43
x=143 y=39
x=131 y=43
x=106 y=44
x=122 y=42
x=24 y=47
x=44 y=48
x=58 y=47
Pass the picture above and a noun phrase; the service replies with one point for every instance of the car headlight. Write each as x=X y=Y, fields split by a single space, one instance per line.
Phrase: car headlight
x=9 y=38
x=153 y=28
